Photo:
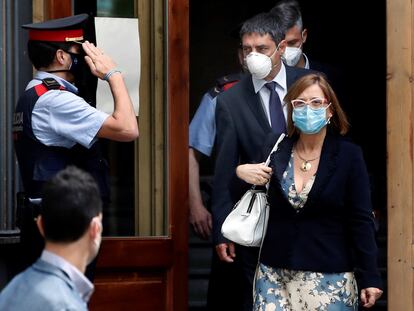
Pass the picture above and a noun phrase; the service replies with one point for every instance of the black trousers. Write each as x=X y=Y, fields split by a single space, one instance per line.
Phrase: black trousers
x=224 y=285
x=231 y=284
x=248 y=258
x=31 y=242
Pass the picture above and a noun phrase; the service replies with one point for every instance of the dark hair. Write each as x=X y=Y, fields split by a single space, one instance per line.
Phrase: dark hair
x=288 y=14
x=70 y=200
x=339 y=121
x=41 y=53
x=263 y=23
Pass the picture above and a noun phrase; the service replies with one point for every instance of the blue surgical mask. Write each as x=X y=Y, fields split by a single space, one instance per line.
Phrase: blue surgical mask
x=310 y=120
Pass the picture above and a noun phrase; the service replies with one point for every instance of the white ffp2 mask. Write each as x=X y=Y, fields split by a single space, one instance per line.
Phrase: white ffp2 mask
x=259 y=64
x=292 y=55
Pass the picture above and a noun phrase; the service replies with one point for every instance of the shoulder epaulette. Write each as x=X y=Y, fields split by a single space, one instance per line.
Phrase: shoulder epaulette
x=214 y=91
x=51 y=84
x=224 y=83
x=234 y=77
x=47 y=85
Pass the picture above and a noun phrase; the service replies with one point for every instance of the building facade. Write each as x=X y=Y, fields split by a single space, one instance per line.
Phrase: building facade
x=143 y=261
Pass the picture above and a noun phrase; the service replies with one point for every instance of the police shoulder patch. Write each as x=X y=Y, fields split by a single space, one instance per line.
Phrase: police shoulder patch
x=51 y=84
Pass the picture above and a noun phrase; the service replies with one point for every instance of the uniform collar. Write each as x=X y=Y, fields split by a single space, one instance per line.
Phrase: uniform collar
x=40 y=75
x=280 y=79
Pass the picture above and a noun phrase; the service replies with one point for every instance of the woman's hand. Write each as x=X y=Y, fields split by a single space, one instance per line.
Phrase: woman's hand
x=255 y=174
x=369 y=296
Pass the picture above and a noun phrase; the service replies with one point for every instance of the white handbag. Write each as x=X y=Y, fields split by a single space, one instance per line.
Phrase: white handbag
x=247 y=222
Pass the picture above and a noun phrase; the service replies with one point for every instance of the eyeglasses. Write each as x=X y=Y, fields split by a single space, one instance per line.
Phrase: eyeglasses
x=314 y=102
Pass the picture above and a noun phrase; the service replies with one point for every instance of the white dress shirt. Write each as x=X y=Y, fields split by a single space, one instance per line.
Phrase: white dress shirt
x=281 y=89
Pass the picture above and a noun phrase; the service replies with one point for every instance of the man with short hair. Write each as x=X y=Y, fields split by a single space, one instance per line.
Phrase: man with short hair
x=71 y=223
x=288 y=14
x=245 y=115
x=53 y=126
x=50 y=118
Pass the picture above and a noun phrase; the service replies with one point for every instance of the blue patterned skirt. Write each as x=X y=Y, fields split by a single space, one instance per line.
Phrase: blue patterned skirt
x=288 y=290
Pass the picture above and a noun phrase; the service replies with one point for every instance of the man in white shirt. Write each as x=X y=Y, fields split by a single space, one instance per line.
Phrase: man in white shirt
x=245 y=115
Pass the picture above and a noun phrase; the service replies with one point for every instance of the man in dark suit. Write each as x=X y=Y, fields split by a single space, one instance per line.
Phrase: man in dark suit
x=245 y=115
x=289 y=16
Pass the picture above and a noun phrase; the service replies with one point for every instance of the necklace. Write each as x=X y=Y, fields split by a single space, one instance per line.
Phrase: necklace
x=306 y=165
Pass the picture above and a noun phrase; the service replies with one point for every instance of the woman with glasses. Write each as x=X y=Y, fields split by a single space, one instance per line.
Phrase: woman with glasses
x=320 y=239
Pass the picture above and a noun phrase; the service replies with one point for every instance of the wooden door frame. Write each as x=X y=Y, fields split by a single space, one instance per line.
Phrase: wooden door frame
x=177 y=154
x=400 y=184
x=171 y=251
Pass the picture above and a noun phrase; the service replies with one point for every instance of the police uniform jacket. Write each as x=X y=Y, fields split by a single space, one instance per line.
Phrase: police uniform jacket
x=64 y=133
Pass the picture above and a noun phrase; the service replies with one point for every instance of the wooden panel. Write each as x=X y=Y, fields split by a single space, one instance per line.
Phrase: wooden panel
x=143 y=145
x=135 y=252
x=178 y=90
x=161 y=216
x=38 y=11
x=58 y=8
x=132 y=273
x=400 y=153
x=126 y=291
x=151 y=216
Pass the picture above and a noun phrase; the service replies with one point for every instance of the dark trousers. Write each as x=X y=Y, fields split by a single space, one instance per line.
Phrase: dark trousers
x=31 y=242
x=224 y=285
x=247 y=260
x=231 y=284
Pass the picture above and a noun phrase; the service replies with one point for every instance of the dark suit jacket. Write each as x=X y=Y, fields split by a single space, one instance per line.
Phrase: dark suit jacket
x=242 y=127
x=334 y=232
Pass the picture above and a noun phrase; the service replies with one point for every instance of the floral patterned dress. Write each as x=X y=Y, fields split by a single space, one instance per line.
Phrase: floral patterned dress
x=291 y=290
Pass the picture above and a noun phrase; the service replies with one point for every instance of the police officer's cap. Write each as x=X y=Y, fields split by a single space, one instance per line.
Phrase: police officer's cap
x=67 y=29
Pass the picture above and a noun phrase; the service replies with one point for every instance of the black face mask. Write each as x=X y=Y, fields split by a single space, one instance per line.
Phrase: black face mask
x=84 y=80
x=77 y=66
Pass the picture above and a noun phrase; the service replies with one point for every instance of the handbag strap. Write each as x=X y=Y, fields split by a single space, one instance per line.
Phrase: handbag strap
x=260 y=249
x=275 y=148
x=266 y=211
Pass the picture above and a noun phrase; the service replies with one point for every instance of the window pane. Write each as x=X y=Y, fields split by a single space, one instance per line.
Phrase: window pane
x=116 y=8
x=138 y=169
x=119 y=215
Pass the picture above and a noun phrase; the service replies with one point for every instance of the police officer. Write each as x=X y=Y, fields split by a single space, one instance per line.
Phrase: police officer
x=202 y=135
x=223 y=279
x=53 y=126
